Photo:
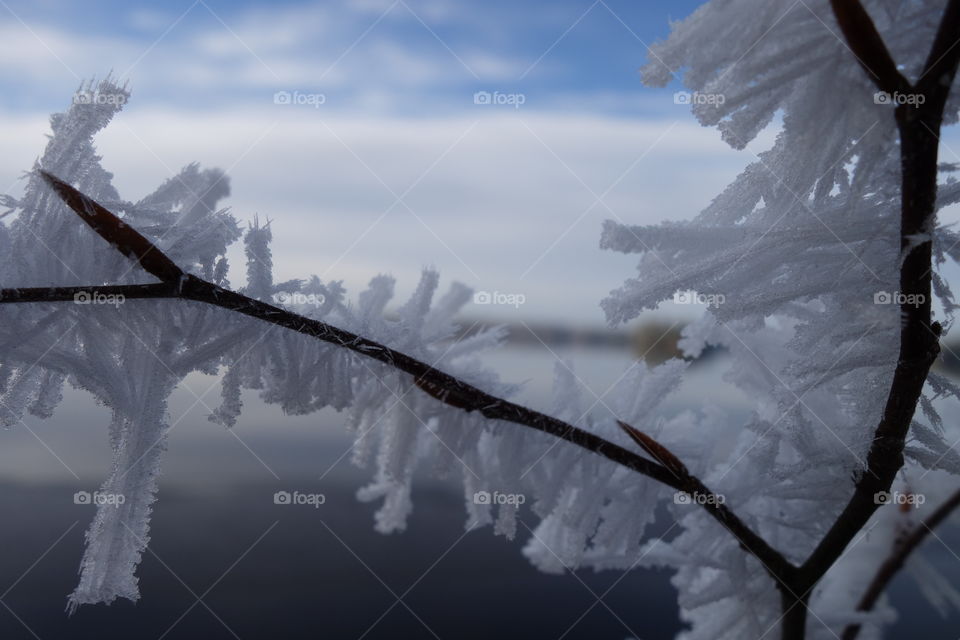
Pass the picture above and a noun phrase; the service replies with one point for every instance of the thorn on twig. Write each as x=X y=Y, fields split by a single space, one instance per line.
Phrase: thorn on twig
x=120 y=235
x=656 y=450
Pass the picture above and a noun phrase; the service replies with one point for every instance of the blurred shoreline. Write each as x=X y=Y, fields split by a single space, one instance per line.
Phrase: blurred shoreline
x=653 y=342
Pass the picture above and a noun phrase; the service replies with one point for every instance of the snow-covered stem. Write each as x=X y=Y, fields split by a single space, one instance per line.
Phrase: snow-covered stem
x=901 y=551
x=919 y=129
x=175 y=284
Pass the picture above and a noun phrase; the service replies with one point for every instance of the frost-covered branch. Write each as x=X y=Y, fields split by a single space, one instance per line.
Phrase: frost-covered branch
x=919 y=126
x=795 y=259
x=438 y=384
x=901 y=551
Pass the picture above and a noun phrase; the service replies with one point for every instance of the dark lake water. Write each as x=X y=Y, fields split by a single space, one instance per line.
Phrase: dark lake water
x=263 y=570
x=314 y=573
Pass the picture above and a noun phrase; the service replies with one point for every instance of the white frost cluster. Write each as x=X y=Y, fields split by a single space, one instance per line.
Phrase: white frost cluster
x=131 y=356
x=800 y=254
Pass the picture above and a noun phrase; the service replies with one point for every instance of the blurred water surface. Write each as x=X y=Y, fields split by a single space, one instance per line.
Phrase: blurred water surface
x=224 y=561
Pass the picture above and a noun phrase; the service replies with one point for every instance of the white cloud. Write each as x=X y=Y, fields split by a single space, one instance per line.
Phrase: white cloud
x=274 y=48
x=149 y=20
x=484 y=213
x=496 y=203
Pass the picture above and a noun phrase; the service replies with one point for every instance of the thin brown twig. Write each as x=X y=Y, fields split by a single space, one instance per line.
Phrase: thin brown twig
x=919 y=128
x=898 y=556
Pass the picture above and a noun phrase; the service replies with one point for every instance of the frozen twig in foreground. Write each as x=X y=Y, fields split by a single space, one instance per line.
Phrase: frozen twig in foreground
x=438 y=384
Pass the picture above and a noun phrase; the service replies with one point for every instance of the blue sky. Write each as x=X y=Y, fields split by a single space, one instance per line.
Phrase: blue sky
x=418 y=56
